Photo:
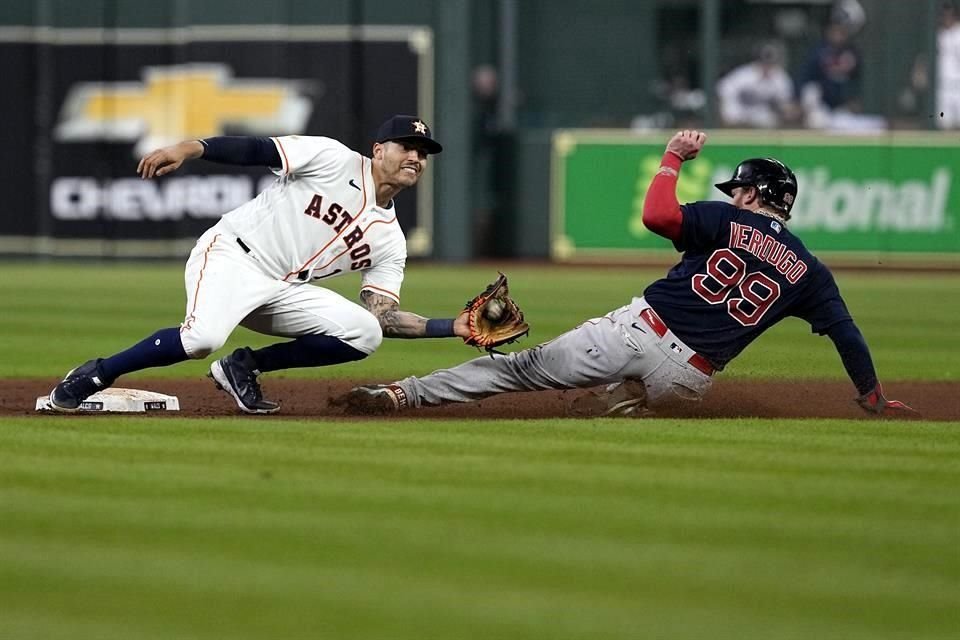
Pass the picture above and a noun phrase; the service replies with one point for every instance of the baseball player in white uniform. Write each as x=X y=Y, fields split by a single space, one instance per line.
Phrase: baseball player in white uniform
x=330 y=212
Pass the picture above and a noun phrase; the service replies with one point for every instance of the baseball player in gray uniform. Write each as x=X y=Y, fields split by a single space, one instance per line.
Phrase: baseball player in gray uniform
x=742 y=271
x=330 y=212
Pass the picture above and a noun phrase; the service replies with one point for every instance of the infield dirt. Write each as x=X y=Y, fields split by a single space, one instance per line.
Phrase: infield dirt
x=728 y=399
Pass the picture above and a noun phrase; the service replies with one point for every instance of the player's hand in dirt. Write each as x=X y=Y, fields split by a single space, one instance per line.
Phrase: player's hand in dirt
x=874 y=402
x=686 y=144
x=168 y=159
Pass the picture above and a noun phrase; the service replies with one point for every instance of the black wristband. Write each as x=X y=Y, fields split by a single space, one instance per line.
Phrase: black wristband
x=440 y=328
x=241 y=150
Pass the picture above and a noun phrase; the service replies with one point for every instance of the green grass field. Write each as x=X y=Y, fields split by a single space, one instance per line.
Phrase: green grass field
x=244 y=528
x=60 y=315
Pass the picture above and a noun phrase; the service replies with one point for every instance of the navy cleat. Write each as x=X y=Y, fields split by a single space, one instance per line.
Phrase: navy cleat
x=374 y=400
x=78 y=385
x=237 y=375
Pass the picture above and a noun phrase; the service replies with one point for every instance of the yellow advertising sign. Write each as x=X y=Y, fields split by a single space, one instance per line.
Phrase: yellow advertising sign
x=179 y=102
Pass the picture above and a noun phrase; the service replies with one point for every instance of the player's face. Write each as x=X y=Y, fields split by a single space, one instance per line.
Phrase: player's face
x=402 y=161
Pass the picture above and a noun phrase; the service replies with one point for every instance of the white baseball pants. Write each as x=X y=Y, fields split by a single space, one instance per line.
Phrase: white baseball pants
x=226 y=287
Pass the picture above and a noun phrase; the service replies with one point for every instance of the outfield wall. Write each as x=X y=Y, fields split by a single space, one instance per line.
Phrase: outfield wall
x=896 y=195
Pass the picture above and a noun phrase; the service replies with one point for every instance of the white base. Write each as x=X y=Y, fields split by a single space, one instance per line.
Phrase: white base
x=121 y=401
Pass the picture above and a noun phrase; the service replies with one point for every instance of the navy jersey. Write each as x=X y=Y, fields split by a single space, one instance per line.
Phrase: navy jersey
x=740 y=274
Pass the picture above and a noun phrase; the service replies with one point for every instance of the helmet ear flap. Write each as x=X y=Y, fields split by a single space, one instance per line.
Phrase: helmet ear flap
x=778 y=193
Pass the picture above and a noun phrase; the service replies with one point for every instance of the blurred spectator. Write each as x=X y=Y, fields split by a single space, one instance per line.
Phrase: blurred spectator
x=918 y=84
x=485 y=83
x=850 y=13
x=759 y=93
x=679 y=105
x=830 y=79
x=948 y=68
x=678 y=98
x=485 y=87
x=948 y=74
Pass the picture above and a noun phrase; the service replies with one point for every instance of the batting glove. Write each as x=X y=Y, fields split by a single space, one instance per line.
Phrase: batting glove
x=874 y=402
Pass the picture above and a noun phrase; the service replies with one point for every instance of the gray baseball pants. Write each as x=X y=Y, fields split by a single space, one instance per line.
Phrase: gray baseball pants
x=615 y=347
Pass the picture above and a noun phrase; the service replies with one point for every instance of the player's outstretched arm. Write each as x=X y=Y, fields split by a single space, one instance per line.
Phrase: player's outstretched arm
x=244 y=151
x=404 y=324
x=856 y=359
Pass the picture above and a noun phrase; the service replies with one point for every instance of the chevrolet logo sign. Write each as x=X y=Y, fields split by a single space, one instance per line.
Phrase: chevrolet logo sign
x=181 y=102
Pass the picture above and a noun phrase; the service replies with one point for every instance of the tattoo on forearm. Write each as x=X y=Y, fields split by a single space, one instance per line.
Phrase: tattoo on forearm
x=394 y=322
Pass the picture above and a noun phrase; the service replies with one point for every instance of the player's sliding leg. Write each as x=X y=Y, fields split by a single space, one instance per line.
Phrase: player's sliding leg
x=573 y=359
x=602 y=351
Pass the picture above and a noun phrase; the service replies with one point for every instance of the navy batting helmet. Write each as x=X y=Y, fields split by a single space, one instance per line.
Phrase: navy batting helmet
x=773 y=180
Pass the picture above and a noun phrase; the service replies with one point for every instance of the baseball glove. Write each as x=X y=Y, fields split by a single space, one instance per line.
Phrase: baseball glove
x=494 y=318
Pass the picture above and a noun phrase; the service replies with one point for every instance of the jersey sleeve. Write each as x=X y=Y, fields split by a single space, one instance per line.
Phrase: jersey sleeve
x=706 y=225
x=385 y=277
x=308 y=155
x=822 y=306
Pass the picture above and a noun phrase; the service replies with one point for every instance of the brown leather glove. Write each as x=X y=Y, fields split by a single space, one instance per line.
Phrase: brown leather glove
x=493 y=317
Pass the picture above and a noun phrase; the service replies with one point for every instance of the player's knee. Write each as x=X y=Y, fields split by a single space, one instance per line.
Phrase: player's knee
x=199 y=344
x=366 y=335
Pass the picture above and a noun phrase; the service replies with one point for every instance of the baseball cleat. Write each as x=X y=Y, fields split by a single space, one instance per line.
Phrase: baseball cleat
x=78 y=385
x=237 y=375
x=620 y=399
x=376 y=400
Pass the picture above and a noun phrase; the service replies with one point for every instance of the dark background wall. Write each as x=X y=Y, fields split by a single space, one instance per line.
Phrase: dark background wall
x=578 y=64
